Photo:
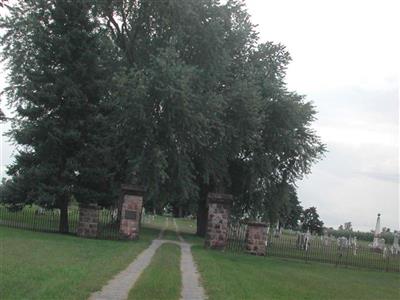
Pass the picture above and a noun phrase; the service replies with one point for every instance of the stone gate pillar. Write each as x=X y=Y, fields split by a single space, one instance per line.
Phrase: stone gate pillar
x=88 y=220
x=130 y=211
x=219 y=207
x=256 y=236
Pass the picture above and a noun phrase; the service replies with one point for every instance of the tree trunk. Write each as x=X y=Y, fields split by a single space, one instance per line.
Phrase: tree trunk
x=180 y=213
x=175 y=211
x=202 y=214
x=64 y=226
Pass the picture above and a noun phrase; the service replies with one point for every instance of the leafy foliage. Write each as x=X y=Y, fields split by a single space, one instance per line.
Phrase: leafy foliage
x=57 y=86
x=180 y=93
x=310 y=221
x=360 y=235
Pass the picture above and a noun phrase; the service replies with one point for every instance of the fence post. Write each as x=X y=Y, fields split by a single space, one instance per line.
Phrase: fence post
x=256 y=236
x=219 y=207
x=339 y=258
x=347 y=256
x=88 y=220
x=130 y=211
x=387 y=262
x=306 y=253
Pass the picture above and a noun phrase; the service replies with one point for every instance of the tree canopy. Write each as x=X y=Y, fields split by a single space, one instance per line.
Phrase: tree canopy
x=56 y=85
x=310 y=221
x=181 y=93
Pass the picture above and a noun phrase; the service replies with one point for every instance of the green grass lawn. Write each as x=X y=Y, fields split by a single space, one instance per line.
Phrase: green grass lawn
x=42 y=266
x=170 y=232
x=186 y=225
x=37 y=265
x=162 y=222
x=153 y=221
x=162 y=279
x=240 y=276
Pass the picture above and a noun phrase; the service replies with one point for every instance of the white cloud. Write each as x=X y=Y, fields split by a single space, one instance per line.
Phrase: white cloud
x=345 y=59
x=347 y=194
x=333 y=43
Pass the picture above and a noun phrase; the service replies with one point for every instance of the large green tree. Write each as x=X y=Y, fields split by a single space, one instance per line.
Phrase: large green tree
x=57 y=85
x=206 y=106
x=171 y=92
x=197 y=104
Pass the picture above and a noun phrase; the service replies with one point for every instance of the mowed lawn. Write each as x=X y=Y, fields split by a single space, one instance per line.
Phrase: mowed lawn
x=241 y=276
x=37 y=265
x=42 y=266
x=161 y=280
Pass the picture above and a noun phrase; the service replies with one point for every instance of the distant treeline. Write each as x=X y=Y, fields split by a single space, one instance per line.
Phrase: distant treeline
x=364 y=236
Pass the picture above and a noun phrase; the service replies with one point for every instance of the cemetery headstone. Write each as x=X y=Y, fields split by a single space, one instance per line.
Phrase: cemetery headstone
x=396 y=247
x=378 y=243
x=342 y=243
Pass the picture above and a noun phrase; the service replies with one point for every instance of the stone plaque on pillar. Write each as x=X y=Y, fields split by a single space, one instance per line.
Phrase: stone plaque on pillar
x=88 y=220
x=219 y=207
x=256 y=237
x=131 y=207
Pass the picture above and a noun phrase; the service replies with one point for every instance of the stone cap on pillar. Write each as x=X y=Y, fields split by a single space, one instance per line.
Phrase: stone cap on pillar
x=257 y=224
x=219 y=198
x=130 y=189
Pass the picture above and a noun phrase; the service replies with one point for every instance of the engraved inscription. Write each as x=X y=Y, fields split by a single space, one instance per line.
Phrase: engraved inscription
x=130 y=214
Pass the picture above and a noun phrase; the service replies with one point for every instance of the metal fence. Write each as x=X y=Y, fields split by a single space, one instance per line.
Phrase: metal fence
x=236 y=236
x=108 y=227
x=339 y=252
x=47 y=220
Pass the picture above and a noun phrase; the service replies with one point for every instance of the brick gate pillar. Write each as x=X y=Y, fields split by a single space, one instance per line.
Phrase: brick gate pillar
x=130 y=211
x=88 y=220
x=256 y=236
x=219 y=207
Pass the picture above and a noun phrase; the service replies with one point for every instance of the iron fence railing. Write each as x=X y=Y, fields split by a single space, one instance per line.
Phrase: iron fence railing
x=108 y=226
x=236 y=236
x=339 y=252
x=47 y=220
x=37 y=219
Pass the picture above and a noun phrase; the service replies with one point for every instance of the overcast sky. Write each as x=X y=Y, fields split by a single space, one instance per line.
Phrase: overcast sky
x=346 y=60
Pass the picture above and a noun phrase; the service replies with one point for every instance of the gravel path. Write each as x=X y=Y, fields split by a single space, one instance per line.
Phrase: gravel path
x=191 y=286
x=118 y=288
